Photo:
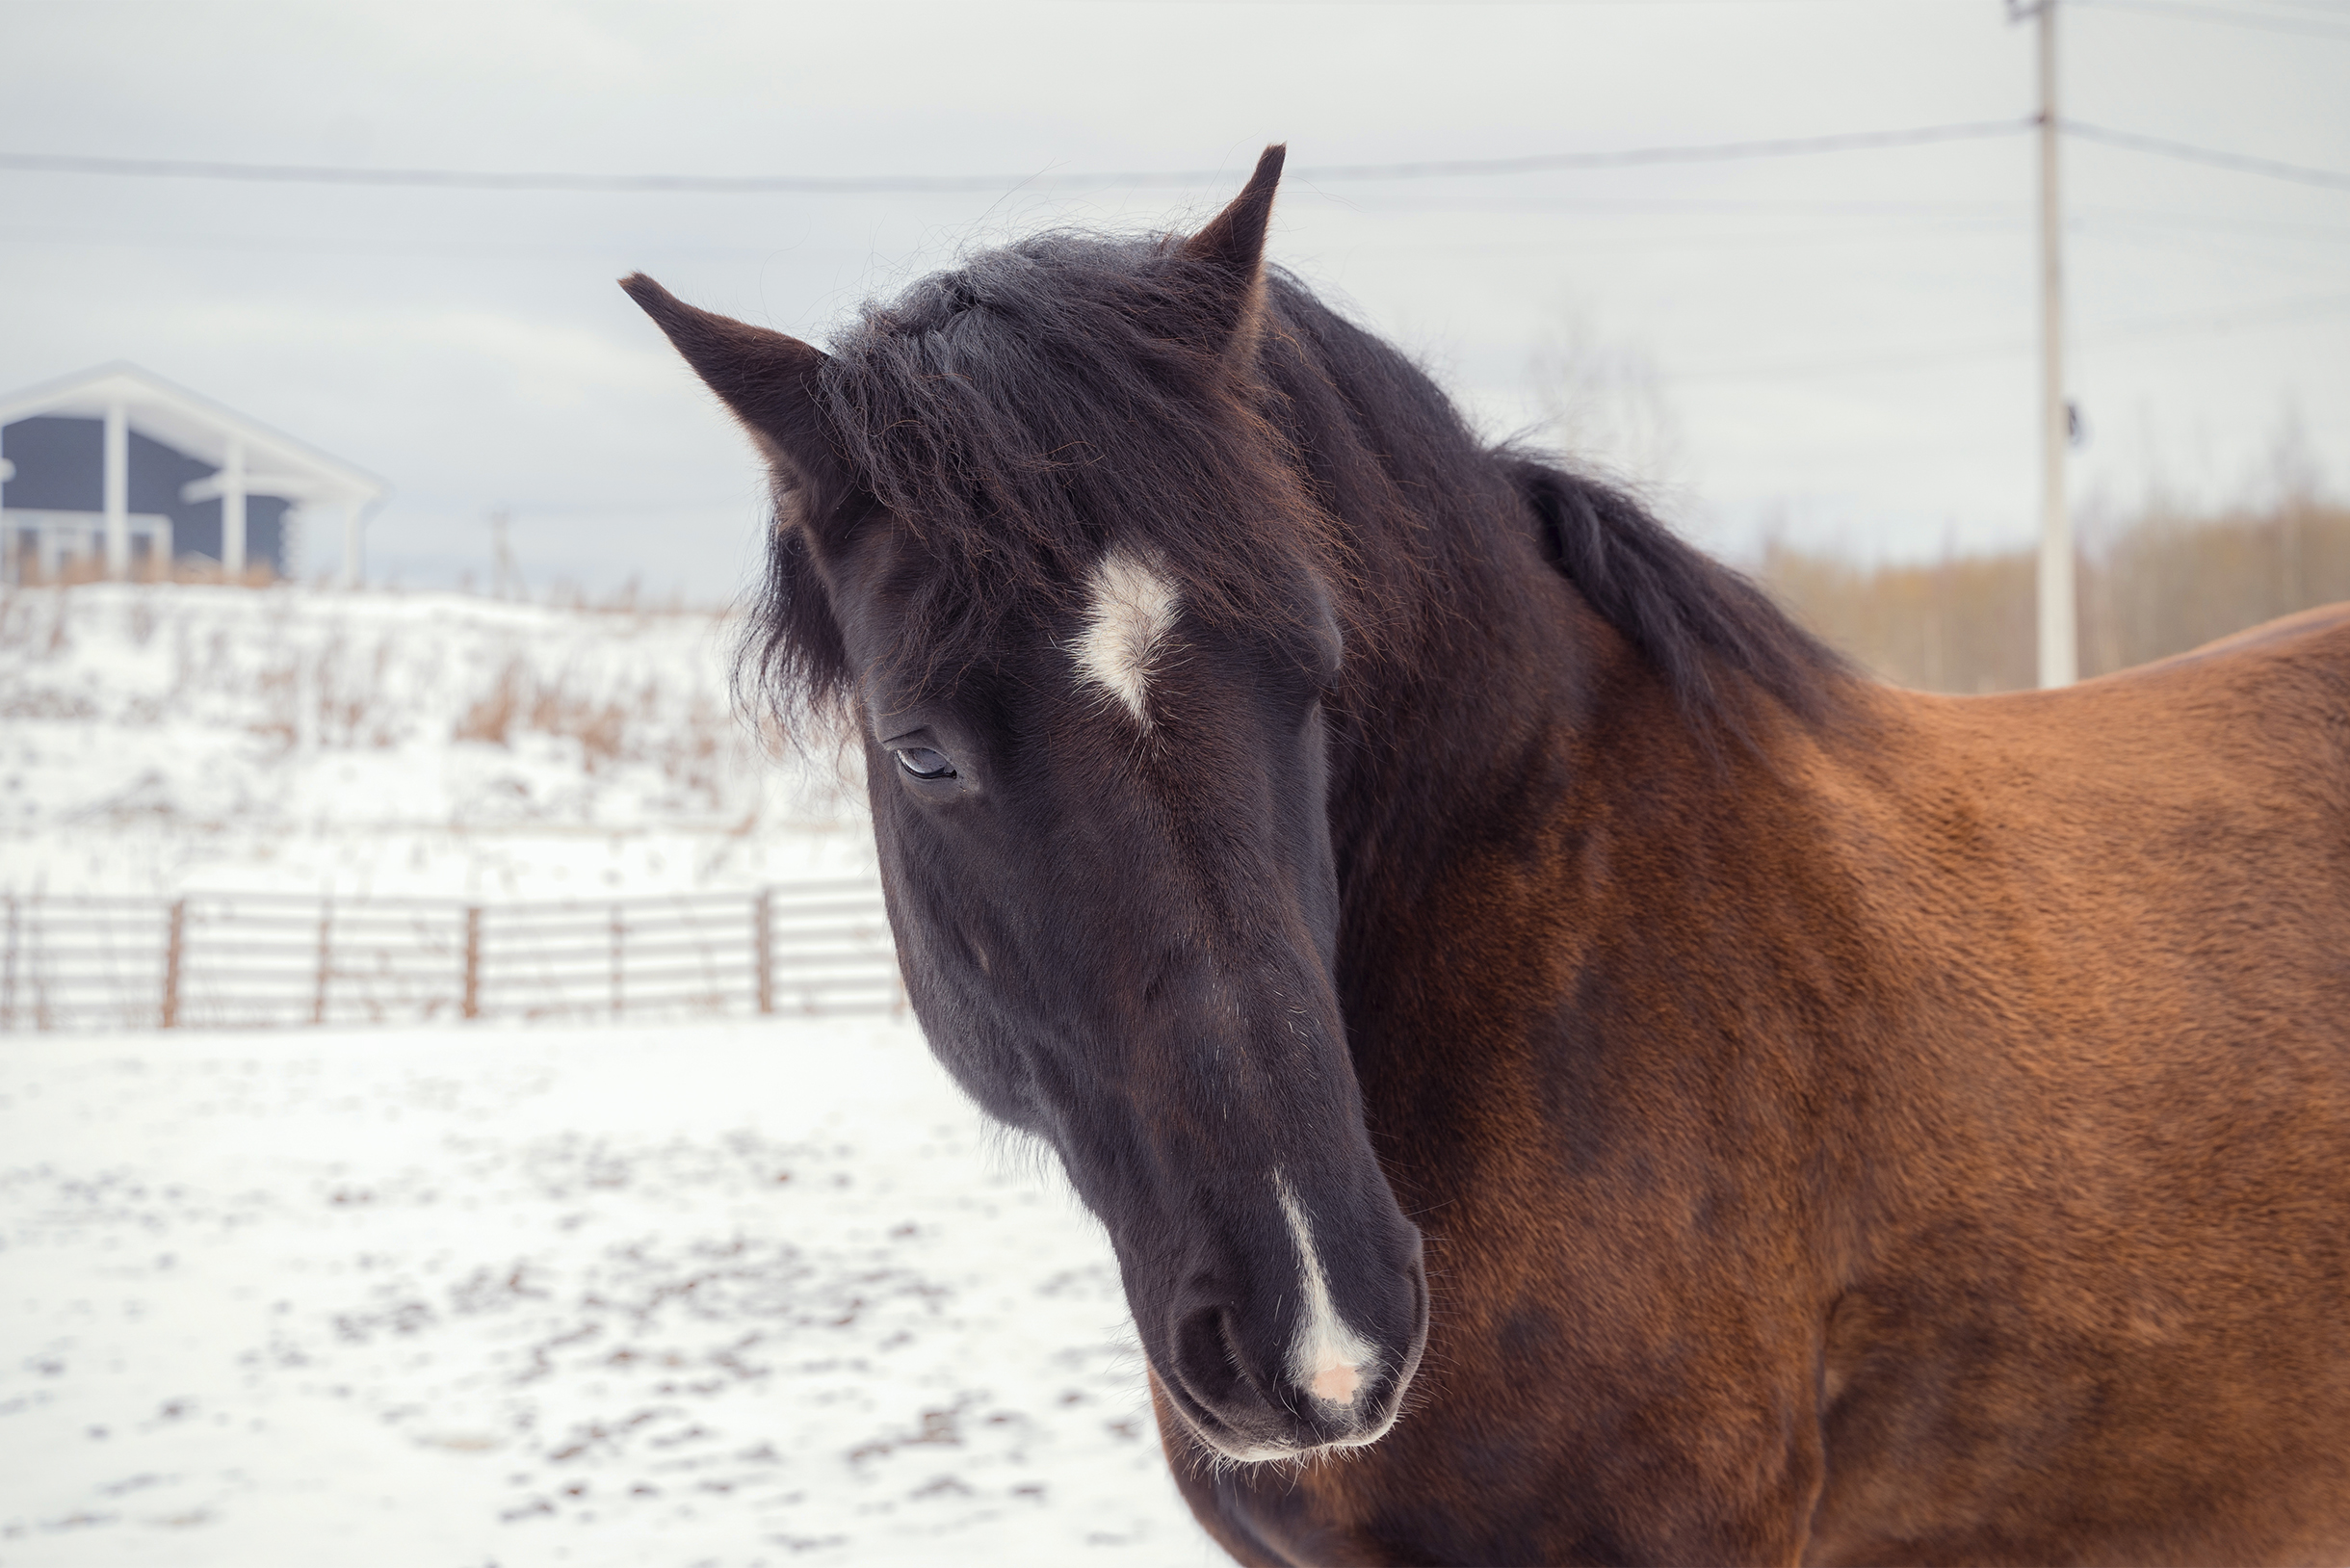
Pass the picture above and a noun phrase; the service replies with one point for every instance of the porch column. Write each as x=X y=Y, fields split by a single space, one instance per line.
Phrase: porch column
x=232 y=508
x=351 y=544
x=117 y=490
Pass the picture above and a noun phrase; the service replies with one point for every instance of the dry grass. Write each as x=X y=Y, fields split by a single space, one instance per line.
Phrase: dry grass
x=2158 y=584
x=694 y=741
x=520 y=700
x=81 y=569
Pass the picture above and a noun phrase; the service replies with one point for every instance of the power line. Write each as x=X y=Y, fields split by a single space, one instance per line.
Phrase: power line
x=2163 y=146
x=889 y=184
x=1633 y=157
x=1890 y=222
x=46 y=163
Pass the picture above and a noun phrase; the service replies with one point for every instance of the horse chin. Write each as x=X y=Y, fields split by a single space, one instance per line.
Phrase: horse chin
x=1229 y=1447
x=1226 y=1443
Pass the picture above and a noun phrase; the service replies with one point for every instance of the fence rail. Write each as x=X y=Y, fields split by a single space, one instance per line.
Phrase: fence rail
x=248 y=959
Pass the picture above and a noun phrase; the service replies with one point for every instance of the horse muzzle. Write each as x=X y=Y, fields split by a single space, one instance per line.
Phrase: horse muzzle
x=1318 y=1379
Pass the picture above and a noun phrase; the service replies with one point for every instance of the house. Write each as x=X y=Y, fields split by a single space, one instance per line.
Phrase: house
x=121 y=466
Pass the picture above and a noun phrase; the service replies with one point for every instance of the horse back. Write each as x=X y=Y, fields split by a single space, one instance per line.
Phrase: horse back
x=2213 y=786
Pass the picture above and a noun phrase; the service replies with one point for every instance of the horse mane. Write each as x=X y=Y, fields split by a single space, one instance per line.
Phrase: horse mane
x=1051 y=400
x=1707 y=627
x=1381 y=437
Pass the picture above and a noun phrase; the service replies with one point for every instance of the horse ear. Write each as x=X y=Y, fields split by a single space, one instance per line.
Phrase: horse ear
x=1233 y=241
x=768 y=380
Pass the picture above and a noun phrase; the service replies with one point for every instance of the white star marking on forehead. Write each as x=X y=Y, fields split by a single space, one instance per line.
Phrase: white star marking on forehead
x=1130 y=612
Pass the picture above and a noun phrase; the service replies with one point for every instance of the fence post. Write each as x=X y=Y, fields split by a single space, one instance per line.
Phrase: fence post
x=326 y=925
x=8 y=974
x=175 y=949
x=616 y=961
x=762 y=946
x=38 y=979
x=473 y=961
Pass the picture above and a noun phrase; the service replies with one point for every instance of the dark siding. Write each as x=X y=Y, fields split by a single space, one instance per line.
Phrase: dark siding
x=61 y=466
x=195 y=531
x=265 y=530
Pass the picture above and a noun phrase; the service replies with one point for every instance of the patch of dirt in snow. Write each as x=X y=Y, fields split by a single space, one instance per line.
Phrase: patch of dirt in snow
x=726 y=1294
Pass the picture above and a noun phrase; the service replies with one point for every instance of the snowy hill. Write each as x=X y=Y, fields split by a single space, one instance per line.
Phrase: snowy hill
x=169 y=738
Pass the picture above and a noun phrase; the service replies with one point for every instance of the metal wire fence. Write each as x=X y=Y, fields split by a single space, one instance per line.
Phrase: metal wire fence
x=256 y=959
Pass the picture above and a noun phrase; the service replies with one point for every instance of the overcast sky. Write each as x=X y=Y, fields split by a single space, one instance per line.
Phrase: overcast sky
x=1838 y=346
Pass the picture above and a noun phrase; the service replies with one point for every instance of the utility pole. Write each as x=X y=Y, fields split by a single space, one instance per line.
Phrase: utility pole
x=2059 y=636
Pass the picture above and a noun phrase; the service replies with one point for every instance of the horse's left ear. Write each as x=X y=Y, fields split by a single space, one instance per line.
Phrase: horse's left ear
x=1233 y=241
x=766 y=378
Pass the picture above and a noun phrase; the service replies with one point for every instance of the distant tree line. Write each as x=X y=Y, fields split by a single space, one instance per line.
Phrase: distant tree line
x=2160 y=583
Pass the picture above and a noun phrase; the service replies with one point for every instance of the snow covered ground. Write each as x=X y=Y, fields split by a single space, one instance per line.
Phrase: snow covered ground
x=175 y=737
x=711 y=1292
x=712 y=1295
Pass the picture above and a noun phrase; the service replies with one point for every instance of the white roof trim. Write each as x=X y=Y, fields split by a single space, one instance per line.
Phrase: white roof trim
x=199 y=426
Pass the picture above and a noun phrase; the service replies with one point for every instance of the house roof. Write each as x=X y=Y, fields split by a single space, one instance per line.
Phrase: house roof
x=274 y=463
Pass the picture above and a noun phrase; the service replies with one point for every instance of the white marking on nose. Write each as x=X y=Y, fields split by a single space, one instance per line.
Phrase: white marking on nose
x=1329 y=1358
x=1131 y=611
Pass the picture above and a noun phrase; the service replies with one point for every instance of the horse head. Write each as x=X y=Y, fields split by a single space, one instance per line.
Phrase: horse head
x=1040 y=545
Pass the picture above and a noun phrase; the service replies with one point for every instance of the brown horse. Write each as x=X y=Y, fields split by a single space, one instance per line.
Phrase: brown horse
x=1844 y=1126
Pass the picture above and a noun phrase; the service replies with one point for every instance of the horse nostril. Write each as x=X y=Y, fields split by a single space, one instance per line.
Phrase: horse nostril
x=1210 y=1358
x=1229 y=1331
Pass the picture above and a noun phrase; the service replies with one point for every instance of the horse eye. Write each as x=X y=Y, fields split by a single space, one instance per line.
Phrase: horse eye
x=924 y=763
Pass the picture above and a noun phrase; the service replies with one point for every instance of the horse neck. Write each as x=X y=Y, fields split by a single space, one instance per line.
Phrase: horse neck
x=1460 y=730
x=1524 y=800
x=1494 y=724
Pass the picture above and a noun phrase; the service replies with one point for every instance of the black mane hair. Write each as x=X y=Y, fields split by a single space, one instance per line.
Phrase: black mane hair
x=1048 y=401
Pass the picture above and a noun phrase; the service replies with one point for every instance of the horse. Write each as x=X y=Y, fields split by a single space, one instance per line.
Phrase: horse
x=1571 y=1071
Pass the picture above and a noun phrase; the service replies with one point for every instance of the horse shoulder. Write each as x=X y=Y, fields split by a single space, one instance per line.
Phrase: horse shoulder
x=2115 y=1118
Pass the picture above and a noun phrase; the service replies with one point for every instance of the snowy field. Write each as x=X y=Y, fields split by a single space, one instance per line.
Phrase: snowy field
x=714 y=1293
x=719 y=1294
x=169 y=739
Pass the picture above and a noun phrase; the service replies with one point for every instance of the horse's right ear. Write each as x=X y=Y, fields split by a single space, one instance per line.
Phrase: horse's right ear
x=768 y=380
x=1232 y=244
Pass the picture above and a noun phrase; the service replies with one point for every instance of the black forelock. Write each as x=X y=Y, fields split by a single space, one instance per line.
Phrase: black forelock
x=1021 y=416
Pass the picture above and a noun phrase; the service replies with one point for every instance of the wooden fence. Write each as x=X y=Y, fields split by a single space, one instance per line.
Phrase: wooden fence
x=250 y=960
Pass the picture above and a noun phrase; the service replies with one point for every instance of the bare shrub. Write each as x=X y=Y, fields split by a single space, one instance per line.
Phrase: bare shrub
x=349 y=700
x=691 y=737
x=279 y=688
x=491 y=717
x=600 y=724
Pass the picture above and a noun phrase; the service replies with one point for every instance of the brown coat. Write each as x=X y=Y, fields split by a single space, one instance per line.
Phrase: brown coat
x=1963 y=1178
